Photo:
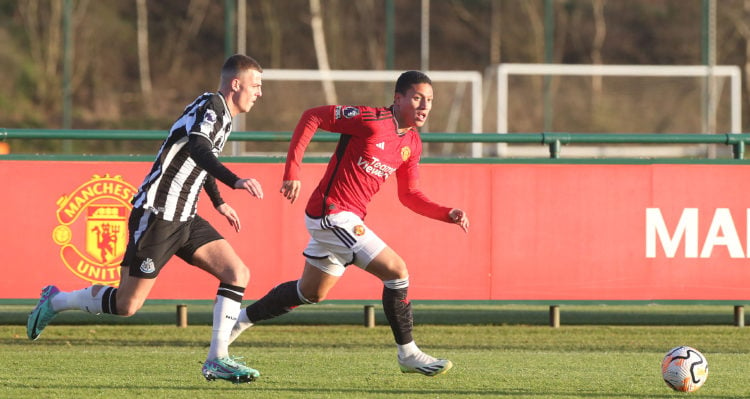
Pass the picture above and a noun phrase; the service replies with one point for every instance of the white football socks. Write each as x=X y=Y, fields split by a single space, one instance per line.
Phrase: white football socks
x=225 y=316
x=242 y=324
x=412 y=350
x=407 y=350
x=79 y=299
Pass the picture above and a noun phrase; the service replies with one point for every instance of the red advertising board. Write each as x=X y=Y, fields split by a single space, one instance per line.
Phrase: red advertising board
x=538 y=231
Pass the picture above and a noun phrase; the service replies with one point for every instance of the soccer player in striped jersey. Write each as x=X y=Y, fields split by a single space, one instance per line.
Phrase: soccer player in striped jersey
x=375 y=143
x=164 y=222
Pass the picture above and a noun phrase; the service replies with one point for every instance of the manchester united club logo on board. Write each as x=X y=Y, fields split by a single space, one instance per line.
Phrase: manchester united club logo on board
x=93 y=229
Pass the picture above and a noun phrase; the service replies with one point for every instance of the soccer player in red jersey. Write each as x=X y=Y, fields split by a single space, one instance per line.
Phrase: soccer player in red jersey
x=375 y=143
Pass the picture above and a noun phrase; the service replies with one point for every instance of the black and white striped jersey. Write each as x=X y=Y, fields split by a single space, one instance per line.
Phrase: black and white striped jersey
x=172 y=187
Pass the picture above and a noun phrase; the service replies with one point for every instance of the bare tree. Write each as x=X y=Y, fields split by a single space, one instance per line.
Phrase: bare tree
x=746 y=36
x=319 y=40
x=496 y=32
x=143 y=58
x=741 y=22
x=273 y=27
x=536 y=26
x=600 y=32
x=365 y=11
x=189 y=30
x=43 y=26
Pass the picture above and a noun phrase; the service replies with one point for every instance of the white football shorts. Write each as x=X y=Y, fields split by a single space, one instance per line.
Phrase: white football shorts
x=339 y=240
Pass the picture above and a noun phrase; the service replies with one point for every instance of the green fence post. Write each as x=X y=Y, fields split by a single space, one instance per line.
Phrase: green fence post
x=554 y=149
x=738 y=150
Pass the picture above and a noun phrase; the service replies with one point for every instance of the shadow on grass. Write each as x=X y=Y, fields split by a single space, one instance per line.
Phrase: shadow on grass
x=199 y=313
x=215 y=389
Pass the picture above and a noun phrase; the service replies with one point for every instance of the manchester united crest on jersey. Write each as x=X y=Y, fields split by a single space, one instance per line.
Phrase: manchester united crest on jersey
x=405 y=153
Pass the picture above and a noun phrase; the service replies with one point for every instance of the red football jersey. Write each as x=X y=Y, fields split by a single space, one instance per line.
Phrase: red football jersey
x=369 y=151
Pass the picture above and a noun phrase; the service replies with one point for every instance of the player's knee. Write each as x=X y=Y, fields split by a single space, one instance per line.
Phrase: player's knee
x=128 y=308
x=397 y=270
x=312 y=296
x=238 y=275
x=242 y=275
x=126 y=305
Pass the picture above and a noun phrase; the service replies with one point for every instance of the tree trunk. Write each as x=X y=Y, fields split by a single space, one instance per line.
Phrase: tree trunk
x=143 y=58
x=45 y=45
x=600 y=32
x=746 y=35
x=321 y=54
x=741 y=21
x=365 y=12
x=273 y=27
x=496 y=32
x=537 y=33
x=196 y=15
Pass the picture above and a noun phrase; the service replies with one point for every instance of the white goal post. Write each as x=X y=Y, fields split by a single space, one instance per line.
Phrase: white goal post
x=505 y=70
x=474 y=78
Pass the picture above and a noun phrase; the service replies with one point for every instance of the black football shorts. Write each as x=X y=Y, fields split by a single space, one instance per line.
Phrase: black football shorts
x=153 y=241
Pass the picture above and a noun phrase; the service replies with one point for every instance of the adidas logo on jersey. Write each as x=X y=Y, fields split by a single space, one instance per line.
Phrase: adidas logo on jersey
x=381 y=145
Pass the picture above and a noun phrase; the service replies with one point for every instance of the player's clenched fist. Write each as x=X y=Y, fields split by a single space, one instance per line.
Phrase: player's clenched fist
x=459 y=217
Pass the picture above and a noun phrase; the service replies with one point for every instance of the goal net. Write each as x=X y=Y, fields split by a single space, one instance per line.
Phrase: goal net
x=614 y=99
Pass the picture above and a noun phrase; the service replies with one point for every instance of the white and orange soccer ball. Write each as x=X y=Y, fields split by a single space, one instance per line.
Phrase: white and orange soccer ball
x=684 y=369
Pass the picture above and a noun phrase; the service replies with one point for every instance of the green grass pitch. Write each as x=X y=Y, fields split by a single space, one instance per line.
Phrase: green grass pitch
x=323 y=351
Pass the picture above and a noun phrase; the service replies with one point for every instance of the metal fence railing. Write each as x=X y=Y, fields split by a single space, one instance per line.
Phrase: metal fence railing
x=554 y=141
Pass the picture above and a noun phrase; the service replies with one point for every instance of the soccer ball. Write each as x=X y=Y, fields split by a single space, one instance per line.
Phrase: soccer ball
x=684 y=369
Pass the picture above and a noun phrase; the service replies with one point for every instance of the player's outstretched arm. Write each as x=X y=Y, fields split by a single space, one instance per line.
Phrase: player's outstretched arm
x=310 y=121
x=459 y=217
